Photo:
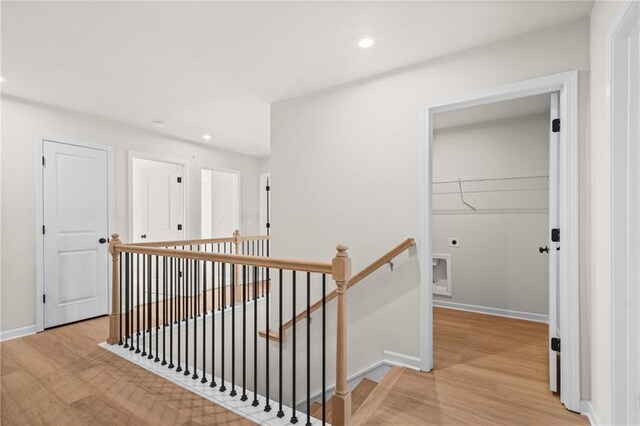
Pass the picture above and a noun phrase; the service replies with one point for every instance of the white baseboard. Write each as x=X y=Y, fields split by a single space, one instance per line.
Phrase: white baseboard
x=375 y=372
x=401 y=360
x=17 y=332
x=528 y=316
x=586 y=409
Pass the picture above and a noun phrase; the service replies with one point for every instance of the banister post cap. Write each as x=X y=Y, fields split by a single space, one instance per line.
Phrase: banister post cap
x=342 y=250
x=115 y=236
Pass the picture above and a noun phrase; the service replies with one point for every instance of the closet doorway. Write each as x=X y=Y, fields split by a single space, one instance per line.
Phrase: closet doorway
x=499 y=202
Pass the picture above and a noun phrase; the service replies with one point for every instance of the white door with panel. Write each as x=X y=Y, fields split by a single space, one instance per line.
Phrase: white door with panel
x=554 y=246
x=158 y=201
x=75 y=213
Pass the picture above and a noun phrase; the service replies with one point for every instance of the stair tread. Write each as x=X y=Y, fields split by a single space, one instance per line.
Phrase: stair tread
x=376 y=397
x=358 y=396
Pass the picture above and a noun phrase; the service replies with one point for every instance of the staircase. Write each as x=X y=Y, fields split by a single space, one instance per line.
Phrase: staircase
x=366 y=397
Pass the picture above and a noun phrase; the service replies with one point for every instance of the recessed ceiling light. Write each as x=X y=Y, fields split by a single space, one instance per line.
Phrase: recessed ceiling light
x=365 y=43
x=206 y=137
x=159 y=123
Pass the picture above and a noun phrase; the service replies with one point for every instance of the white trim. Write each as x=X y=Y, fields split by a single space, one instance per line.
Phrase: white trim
x=186 y=178
x=586 y=409
x=567 y=84
x=227 y=170
x=390 y=359
x=17 y=332
x=401 y=360
x=508 y=313
x=620 y=217
x=39 y=204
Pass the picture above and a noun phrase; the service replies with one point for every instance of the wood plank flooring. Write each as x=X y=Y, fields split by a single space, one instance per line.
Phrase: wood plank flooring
x=489 y=370
x=61 y=377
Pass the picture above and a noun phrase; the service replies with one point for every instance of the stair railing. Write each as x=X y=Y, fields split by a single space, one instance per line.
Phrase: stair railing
x=172 y=288
x=374 y=266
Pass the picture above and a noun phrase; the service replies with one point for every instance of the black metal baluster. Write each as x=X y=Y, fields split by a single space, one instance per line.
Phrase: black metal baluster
x=149 y=309
x=308 y=349
x=294 y=419
x=164 y=310
x=244 y=333
x=223 y=388
x=219 y=286
x=194 y=286
x=187 y=277
x=157 y=358
x=137 y=300
x=233 y=331
x=267 y=407
x=179 y=308
x=213 y=325
x=324 y=348
x=255 y=338
x=144 y=305
x=126 y=307
x=120 y=342
x=204 y=321
x=172 y=289
x=280 y=412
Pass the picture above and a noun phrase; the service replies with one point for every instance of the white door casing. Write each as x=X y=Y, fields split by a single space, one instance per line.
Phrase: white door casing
x=623 y=132
x=158 y=200
x=566 y=84
x=554 y=222
x=75 y=218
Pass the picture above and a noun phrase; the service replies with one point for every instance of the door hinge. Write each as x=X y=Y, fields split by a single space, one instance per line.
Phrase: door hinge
x=179 y=179
x=43 y=230
x=44 y=161
x=555 y=344
x=555 y=235
x=179 y=227
x=555 y=125
x=44 y=298
x=268 y=225
x=268 y=188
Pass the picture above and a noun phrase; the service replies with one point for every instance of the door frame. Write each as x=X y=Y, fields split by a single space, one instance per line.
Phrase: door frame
x=569 y=279
x=131 y=155
x=226 y=170
x=625 y=342
x=39 y=203
x=261 y=188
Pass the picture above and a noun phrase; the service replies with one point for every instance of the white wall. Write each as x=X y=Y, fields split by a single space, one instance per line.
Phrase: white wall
x=497 y=263
x=346 y=164
x=21 y=121
x=602 y=16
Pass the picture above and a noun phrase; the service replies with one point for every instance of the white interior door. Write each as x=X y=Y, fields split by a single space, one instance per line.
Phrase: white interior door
x=75 y=204
x=554 y=222
x=265 y=203
x=220 y=203
x=158 y=201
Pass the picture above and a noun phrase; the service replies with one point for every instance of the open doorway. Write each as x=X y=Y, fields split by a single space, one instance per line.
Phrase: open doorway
x=220 y=202
x=510 y=201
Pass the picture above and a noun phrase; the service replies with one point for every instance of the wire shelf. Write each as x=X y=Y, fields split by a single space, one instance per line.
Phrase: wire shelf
x=522 y=194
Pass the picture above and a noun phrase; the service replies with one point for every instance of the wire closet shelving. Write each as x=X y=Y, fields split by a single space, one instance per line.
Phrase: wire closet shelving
x=513 y=194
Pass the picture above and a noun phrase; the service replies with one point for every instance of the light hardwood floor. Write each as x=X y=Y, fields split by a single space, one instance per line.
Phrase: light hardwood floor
x=61 y=377
x=488 y=370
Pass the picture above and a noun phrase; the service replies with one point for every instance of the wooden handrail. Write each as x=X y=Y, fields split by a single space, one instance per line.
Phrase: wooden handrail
x=180 y=243
x=265 y=262
x=386 y=258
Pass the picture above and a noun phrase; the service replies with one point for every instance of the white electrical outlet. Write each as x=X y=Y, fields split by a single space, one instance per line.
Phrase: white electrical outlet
x=454 y=242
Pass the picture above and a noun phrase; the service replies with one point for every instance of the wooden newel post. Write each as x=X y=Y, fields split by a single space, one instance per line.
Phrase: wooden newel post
x=114 y=318
x=341 y=399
